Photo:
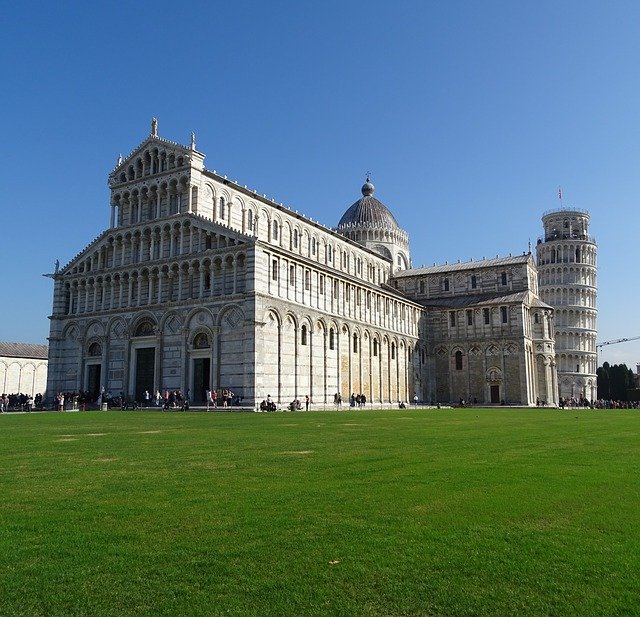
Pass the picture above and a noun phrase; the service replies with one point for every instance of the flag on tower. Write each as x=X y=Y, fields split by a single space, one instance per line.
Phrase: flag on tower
x=560 y=193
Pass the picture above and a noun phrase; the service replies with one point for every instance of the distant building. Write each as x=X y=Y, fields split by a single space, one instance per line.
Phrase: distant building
x=23 y=368
x=202 y=283
x=567 y=259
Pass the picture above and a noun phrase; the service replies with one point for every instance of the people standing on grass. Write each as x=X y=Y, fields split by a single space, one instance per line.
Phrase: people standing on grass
x=306 y=402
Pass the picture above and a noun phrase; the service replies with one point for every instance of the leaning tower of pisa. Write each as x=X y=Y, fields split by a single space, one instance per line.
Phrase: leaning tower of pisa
x=567 y=281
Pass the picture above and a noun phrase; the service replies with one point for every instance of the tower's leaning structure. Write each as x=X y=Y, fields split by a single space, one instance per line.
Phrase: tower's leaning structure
x=567 y=281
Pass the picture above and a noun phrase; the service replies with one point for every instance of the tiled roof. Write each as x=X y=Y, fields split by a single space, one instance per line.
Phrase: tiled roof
x=368 y=211
x=471 y=300
x=467 y=265
x=24 y=350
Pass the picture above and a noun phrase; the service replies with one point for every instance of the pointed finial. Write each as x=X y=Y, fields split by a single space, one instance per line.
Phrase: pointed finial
x=154 y=127
x=120 y=159
x=193 y=140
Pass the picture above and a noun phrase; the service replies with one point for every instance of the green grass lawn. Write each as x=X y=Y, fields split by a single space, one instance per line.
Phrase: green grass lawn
x=402 y=512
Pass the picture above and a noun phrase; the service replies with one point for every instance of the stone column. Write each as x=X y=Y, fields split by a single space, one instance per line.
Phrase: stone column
x=150 y=290
x=235 y=273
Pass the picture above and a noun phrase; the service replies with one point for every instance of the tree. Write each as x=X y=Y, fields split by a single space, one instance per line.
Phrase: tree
x=604 y=390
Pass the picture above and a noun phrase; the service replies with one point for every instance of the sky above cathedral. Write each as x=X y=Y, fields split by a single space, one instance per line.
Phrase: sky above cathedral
x=468 y=116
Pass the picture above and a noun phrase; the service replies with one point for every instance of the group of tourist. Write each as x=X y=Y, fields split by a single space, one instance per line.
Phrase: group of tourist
x=172 y=399
x=224 y=397
x=267 y=404
x=20 y=402
x=296 y=405
x=607 y=404
x=357 y=400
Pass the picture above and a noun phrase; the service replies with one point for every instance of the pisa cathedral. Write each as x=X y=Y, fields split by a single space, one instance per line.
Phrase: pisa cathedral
x=201 y=283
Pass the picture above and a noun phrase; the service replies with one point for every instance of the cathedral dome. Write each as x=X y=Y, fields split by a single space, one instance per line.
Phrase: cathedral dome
x=368 y=212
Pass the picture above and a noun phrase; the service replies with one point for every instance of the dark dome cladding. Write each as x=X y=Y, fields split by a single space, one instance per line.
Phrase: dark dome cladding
x=368 y=211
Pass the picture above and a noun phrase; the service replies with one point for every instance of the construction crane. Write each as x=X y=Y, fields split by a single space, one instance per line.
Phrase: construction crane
x=618 y=340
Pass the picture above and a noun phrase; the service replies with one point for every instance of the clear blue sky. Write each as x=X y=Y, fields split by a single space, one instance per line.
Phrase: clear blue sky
x=468 y=114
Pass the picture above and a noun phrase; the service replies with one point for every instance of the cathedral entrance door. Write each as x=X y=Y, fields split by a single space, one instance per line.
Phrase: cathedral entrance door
x=145 y=367
x=495 y=394
x=93 y=381
x=201 y=372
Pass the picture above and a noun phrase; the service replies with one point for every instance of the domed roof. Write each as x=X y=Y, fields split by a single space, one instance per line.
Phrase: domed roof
x=368 y=211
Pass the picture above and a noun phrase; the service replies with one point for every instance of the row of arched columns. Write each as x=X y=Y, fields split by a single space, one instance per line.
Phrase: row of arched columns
x=576 y=341
x=569 y=296
x=297 y=282
x=560 y=252
x=151 y=243
x=193 y=279
x=23 y=376
x=302 y=355
x=572 y=361
x=567 y=275
x=576 y=318
x=151 y=161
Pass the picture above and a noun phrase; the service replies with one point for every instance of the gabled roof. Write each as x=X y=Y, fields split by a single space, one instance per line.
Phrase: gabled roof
x=24 y=350
x=467 y=265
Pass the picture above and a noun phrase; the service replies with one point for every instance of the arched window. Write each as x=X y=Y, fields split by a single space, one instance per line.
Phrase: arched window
x=393 y=351
x=303 y=335
x=458 y=360
x=332 y=339
x=275 y=230
x=95 y=349
x=249 y=220
x=375 y=347
x=295 y=238
x=222 y=208
x=146 y=328
x=201 y=341
x=355 y=343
